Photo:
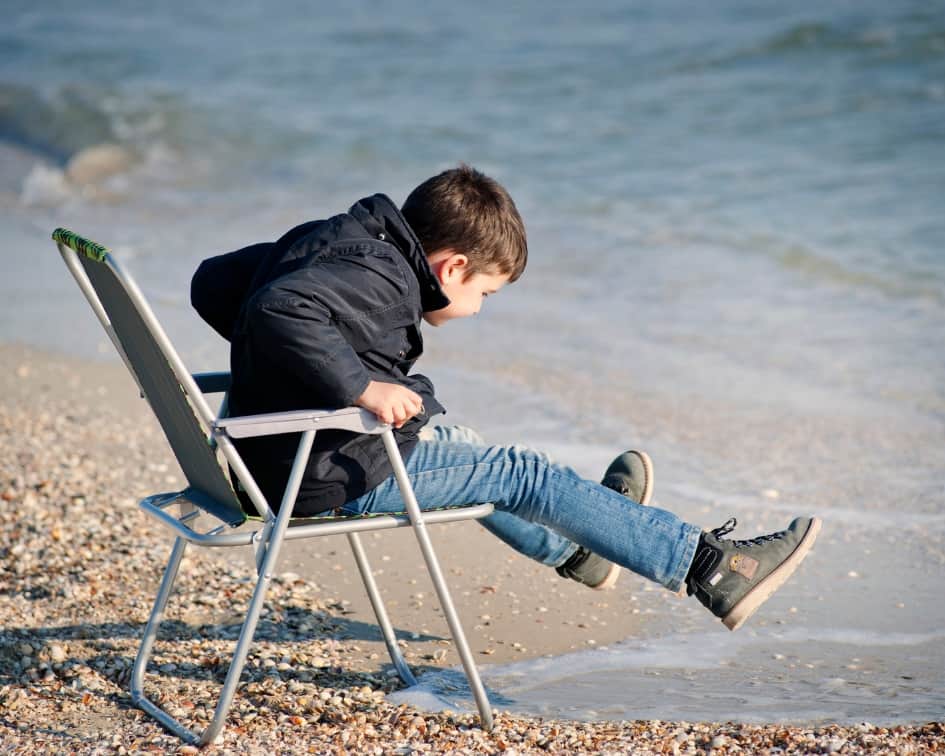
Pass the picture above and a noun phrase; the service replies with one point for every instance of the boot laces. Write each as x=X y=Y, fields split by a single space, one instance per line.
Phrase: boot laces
x=729 y=525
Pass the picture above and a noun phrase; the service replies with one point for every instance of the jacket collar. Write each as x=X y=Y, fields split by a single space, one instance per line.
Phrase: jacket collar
x=381 y=218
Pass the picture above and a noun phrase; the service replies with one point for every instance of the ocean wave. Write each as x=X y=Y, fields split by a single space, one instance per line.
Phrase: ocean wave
x=67 y=144
x=895 y=38
x=83 y=141
x=915 y=39
x=55 y=126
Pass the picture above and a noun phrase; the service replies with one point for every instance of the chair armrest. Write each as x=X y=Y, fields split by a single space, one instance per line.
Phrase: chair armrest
x=273 y=423
x=213 y=383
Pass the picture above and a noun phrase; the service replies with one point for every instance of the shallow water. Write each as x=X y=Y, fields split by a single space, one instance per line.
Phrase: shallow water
x=736 y=219
x=797 y=676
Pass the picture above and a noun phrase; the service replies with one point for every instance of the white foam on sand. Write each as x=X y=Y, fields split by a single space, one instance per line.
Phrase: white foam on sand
x=801 y=675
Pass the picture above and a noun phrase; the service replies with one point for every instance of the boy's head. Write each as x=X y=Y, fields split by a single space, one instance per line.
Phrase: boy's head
x=468 y=213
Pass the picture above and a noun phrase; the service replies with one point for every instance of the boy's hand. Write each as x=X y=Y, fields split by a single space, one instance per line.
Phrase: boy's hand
x=392 y=403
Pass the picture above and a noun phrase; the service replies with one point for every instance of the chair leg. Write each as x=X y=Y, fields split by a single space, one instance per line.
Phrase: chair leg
x=396 y=656
x=238 y=661
x=248 y=630
x=274 y=541
x=439 y=584
x=147 y=644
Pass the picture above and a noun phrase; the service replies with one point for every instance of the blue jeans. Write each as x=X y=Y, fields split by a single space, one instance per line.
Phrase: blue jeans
x=542 y=509
x=533 y=540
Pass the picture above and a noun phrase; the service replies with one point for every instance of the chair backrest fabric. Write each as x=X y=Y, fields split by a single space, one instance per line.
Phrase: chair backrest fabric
x=150 y=356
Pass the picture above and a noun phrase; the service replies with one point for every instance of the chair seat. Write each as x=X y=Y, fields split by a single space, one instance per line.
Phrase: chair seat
x=299 y=527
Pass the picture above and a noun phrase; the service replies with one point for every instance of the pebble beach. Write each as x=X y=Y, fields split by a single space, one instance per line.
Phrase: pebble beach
x=80 y=565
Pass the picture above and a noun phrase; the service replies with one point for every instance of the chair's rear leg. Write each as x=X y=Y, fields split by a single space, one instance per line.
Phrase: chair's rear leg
x=380 y=611
x=147 y=644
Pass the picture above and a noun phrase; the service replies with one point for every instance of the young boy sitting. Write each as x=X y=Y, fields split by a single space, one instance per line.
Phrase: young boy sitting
x=329 y=316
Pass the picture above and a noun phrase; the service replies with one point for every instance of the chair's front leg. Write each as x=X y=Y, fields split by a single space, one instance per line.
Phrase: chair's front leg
x=436 y=575
x=264 y=578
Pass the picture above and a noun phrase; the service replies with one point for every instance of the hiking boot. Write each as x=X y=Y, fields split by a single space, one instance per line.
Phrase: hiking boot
x=630 y=474
x=733 y=578
x=589 y=569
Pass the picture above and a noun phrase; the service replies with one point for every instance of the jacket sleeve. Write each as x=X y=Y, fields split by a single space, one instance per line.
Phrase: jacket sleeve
x=221 y=284
x=297 y=336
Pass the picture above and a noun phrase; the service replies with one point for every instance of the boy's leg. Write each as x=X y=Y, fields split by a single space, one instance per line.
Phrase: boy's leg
x=530 y=539
x=649 y=541
x=730 y=577
x=631 y=474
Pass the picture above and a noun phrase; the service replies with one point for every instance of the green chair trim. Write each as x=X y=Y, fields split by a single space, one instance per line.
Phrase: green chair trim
x=92 y=250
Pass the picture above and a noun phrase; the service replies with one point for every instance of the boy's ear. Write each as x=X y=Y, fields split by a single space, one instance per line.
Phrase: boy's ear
x=449 y=265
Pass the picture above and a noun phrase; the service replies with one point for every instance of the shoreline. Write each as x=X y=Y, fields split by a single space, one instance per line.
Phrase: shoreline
x=78 y=580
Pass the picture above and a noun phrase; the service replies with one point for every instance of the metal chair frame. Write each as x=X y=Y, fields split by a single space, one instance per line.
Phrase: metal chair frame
x=111 y=291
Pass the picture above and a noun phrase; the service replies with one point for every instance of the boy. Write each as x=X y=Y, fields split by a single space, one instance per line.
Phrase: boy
x=329 y=316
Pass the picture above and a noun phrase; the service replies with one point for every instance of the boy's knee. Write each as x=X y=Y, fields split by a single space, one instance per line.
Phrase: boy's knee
x=468 y=435
x=459 y=434
x=530 y=454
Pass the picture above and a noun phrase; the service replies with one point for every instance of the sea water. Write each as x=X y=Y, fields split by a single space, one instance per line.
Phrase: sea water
x=736 y=218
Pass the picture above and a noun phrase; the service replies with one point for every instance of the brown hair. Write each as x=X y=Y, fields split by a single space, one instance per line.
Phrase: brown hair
x=466 y=210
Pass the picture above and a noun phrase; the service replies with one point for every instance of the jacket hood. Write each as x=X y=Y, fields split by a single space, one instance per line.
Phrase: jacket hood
x=381 y=218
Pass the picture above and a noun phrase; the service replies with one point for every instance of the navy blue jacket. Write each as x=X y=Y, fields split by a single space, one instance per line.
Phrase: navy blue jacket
x=312 y=318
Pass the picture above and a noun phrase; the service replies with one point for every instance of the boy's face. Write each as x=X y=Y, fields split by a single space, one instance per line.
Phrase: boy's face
x=466 y=292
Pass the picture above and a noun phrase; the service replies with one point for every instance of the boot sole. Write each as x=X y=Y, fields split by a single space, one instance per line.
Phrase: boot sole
x=763 y=591
x=648 y=471
x=610 y=581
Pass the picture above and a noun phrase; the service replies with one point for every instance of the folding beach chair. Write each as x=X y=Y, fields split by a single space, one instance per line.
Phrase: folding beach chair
x=198 y=438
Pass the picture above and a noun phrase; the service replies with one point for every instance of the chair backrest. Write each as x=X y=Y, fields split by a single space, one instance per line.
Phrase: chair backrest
x=170 y=389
